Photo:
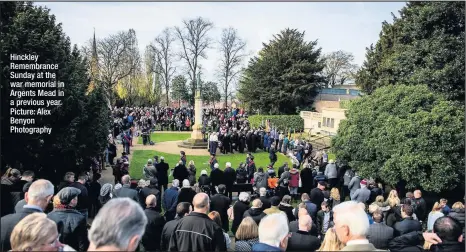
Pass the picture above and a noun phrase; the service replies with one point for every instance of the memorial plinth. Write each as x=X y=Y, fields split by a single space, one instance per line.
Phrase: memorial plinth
x=196 y=141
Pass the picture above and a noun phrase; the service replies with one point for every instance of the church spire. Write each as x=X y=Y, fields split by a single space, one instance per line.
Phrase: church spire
x=94 y=66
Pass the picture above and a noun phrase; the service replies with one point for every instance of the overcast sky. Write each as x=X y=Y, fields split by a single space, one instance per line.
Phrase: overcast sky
x=347 y=26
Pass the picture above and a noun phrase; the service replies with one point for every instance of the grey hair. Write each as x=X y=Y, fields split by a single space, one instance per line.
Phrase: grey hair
x=228 y=164
x=126 y=180
x=349 y=213
x=262 y=191
x=40 y=190
x=175 y=183
x=119 y=220
x=273 y=228
x=244 y=196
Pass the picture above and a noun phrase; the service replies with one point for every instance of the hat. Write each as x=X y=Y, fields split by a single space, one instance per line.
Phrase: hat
x=363 y=182
x=106 y=189
x=67 y=194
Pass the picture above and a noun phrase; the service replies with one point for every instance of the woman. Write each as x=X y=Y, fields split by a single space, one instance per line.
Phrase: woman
x=192 y=173
x=36 y=233
x=286 y=207
x=241 y=206
x=434 y=215
x=186 y=193
x=392 y=199
x=204 y=182
x=334 y=197
x=457 y=213
x=247 y=235
x=215 y=216
x=294 y=183
x=331 y=242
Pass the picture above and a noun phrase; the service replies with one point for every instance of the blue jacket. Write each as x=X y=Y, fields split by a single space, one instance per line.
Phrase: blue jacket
x=170 y=199
x=266 y=140
x=261 y=247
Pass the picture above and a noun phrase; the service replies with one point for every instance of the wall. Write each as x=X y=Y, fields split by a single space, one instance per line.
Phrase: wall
x=331 y=119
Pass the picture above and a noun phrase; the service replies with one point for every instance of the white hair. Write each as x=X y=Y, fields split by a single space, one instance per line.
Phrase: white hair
x=350 y=214
x=203 y=172
x=117 y=223
x=228 y=164
x=216 y=165
x=243 y=196
x=262 y=191
x=162 y=158
x=175 y=183
x=273 y=228
x=40 y=190
x=186 y=183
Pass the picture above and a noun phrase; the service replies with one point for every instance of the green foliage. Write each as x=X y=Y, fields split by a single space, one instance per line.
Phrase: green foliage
x=179 y=88
x=405 y=133
x=79 y=126
x=284 y=76
x=344 y=104
x=282 y=122
x=210 y=93
x=425 y=45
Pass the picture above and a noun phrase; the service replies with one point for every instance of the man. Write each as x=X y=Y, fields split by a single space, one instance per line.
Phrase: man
x=119 y=226
x=260 y=179
x=180 y=172
x=421 y=206
x=197 y=232
x=263 y=197
x=149 y=170
x=302 y=240
x=306 y=179
x=220 y=203
x=281 y=169
x=71 y=224
x=126 y=190
x=284 y=182
x=212 y=160
x=162 y=174
x=67 y=180
x=148 y=190
x=38 y=197
x=83 y=198
x=273 y=233
x=408 y=224
x=354 y=184
x=324 y=219
x=251 y=168
x=351 y=226
x=229 y=179
x=182 y=210
x=311 y=207
x=216 y=175
x=170 y=199
x=331 y=173
x=274 y=201
x=255 y=212
x=362 y=194
x=379 y=234
x=21 y=203
x=294 y=225
x=155 y=223
x=317 y=195
x=26 y=177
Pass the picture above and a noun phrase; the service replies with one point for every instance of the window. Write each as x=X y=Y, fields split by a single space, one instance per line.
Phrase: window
x=332 y=122
x=328 y=122
x=325 y=122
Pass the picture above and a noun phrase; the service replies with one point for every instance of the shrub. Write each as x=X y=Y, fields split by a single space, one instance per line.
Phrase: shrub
x=282 y=122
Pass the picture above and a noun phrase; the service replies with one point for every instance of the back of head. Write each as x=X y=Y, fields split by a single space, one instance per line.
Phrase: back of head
x=117 y=223
x=31 y=232
x=28 y=173
x=257 y=203
x=408 y=210
x=248 y=229
x=83 y=176
x=183 y=208
x=286 y=199
x=448 y=229
x=175 y=183
x=350 y=214
x=126 y=180
x=201 y=203
x=69 y=176
x=40 y=190
x=377 y=216
x=262 y=192
x=305 y=222
x=273 y=228
x=244 y=197
x=215 y=216
x=221 y=188
x=275 y=201
x=186 y=183
x=151 y=201
x=305 y=197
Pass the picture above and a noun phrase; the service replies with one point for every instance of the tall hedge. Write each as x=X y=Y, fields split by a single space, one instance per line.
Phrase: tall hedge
x=282 y=122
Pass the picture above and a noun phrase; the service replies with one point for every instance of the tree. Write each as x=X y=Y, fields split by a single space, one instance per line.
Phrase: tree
x=232 y=49
x=210 y=93
x=194 y=41
x=339 y=68
x=405 y=133
x=179 y=88
x=425 y=45
x=285 y=75
x=162 y=48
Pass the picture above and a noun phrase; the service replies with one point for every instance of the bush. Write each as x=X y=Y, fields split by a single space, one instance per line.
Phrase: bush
x=282 y=122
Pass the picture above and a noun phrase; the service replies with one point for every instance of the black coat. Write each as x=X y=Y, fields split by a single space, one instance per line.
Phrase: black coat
x=186 y=195
x=204 y=180
x=229 y=177
x=83 y=197
x=380 y=235
x=294 y=227
x=126 y=192
x=238 y=212
x=221 y=203
x=317 y=197
x=217 y=177
x=181 y=173
x=255 y=213
x=413 y=241
x=162 y=173
x=167 y=232
x=155 y=223
x=72 y=227
x=288 y=209
x=265 y=202
x=281 y=170
x=148 y=190
x=407 y=225
x=420 y=209
x=11 y=193
x=320 y=218
x=303 y=241
x=241 y=175
x=306 y=180
x=8 y=222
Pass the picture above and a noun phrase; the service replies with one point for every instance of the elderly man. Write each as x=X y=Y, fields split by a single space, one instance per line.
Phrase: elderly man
x=126 y=190
x=197 y=232
x=229 y=179
x=37 y=197
x=273 y=233
x=302 y=240
x=119 y=226
x=264 y=199
x=362 y=194
x=351 y=226
x=170 y=199
x=255 y=212
x=155 y=223
x=217 y=177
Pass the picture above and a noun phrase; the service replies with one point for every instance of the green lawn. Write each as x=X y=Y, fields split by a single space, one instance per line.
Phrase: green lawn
x=158 y=137
x=140 y=158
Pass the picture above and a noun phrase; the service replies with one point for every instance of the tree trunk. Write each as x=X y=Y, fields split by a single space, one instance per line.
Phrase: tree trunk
x=167 y=99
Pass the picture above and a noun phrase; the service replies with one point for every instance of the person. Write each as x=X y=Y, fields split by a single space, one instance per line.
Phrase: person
x=247 y=235
x=379 y=234
x=457 y=213
x=155 y=223
x=260 y=179
x=284 y=182
x=72 y=225
x=197 y=232
x=36 y=232
x=183 y=159
x=148 y=190
x=83 y=198
x=272 y=156
x=38 y=197
x=255 y=212
x=204 y=182
x=301 y=211
x=11 y=190
x=182 y=209
x=354 y=184
x=434 y=215
x=229 y=179
x=281 y=169
x=324 y=219
x=192 y=173
x=186 y=193
x=162 y=174
x=421 y=206
x=331 y=242
x=351 y=225
x=21 y=203
x=306 y=179
x=241 y=174
x=105 y=195
x=331 y=173
x=274 y=202
x=119 y=226
x=445 y=208
x=170 y=200
x=94 y=191
x=149 y=170
x=251 y=168
x=220 y=203
x=317 y=195
x=241 y=206
x=334 y=197
x=362 y=194
x=215 y=216
x=302 y=240
x=264 y=199
x=273 y=233
x=126 y=190
x=180 y=172
x=408 y=224
x=310 y=207
x=285 y=206
x=213 y=160
x=216 y=175
x=294 y=182
x=393 y=199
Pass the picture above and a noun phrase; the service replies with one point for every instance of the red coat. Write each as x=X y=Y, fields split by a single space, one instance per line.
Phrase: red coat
x=294 y=180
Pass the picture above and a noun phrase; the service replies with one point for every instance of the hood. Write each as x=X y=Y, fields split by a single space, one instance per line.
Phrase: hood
x=260 y=174
x=264 y=247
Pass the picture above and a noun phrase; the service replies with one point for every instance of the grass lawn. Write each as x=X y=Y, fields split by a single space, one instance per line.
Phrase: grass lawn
x=140 y=158
x=158 y=137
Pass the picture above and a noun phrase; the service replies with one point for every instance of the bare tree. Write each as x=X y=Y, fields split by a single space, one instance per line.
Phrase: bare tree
x=339 y=67
x=232 y=48
x=194 y=41
x=162 y=48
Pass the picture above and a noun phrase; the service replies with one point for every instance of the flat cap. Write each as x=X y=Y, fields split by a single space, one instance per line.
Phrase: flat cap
x=67 y=194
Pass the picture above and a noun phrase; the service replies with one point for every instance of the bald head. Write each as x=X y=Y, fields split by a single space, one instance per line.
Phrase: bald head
x=305 y=223
x=201 y=203
x=302 y=212
x=151 y=201
x=257 y=203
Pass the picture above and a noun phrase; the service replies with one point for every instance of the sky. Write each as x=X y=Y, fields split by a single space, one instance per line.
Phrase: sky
x=347 y=26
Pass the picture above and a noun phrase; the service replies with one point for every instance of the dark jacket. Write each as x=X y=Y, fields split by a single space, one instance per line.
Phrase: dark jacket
x=62 y=185
x=126 y=192
x=72 y=227
x=380 y=235
x=306 y=179
x=170 y=199
x=181 y=173
x=245 y=245
x=148 y=190
x=317 y=197
x=406 y=226
x=186 y=195
x=261 y=247
x=197 y=232
x=255 y=213
x=229 y=175
x=458 y=214
x=421 y=209
x=192 y=175
x=162 y=172
x=155 y=223
x=216 y=175
x=238 y=212
x=302 y=241
x=241 y=175
x=221 y=203
x=265 y=202
x=414 y=241
x=83 y=197
x=167 y=232
x=204 y=180
x=281 y=170
x=288 y=209
x=8 y=222
x=294 y=227
x=321 y=219
x=12 y=193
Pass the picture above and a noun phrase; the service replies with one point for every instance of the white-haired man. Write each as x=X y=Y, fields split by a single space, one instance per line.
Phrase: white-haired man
x=263 y=197
x=217 y=178
x=273 y=233
x=229 y=178
x=351 y=226
x=126 y=190
x=162 y=174
x=170 y=199
x=119 y=226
